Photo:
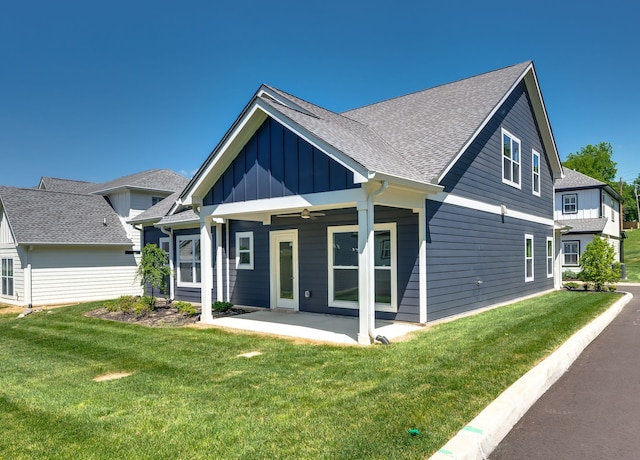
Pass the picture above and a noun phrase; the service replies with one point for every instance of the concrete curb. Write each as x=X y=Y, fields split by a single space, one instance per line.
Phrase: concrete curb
x=483 y=434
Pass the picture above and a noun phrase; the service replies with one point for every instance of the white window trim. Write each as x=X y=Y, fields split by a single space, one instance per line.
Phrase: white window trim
x=535 y=178
x=391 y=227
x=248 y=266
x=564 y=207
x=550 y=257
x=513 y=138
x=12 y=277
x=527 y=279
x=181 y=283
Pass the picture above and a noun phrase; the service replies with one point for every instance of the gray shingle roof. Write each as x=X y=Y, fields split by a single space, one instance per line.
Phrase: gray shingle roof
x=54 y=184
x=414 y=136
x=594 y=225
x=162 y=180
x=157 y=211
x=45 y=217
x=185 y=215
x=574 y=179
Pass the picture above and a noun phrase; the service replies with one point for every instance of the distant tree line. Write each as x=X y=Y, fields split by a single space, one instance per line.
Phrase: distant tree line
x=597 y=161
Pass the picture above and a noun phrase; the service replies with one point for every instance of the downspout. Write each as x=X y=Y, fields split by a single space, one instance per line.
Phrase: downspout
x=371 y=265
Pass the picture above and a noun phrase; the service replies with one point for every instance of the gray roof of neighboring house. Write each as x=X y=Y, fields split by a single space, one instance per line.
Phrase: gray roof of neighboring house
x=594 y=225
x=157 y=211
x=575 y=179
x=414 y=136
x=161 y=180
x=54 y=184
x=185 y=215
x=46 y=217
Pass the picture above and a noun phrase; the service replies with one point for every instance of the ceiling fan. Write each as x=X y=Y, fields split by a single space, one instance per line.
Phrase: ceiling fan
x=305 y=214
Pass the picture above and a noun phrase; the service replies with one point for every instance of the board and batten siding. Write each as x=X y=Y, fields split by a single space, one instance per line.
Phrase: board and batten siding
x=478 y=172
x=275 y=163
x=476 y=259
x=78 y=274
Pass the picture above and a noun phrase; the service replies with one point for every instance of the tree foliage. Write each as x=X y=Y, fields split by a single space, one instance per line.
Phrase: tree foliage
x=153 y=268
x=594 y=161
x=598 y=264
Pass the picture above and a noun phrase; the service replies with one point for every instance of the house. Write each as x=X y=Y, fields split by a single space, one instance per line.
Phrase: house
x=586 y=207
x=416 y=208
x=68 y=241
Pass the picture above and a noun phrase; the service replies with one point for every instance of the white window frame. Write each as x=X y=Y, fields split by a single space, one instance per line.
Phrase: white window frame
x=7 y=274
x=564 y=203
x=249 y=265
x=195 y=260
x=512 y=140
x=391 y=228
x=577 y=253
x=535 y=176
x=550 y=258
x=527 y=238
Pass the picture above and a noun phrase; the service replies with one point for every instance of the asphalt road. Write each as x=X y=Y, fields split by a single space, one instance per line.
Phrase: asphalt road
x=593 y=410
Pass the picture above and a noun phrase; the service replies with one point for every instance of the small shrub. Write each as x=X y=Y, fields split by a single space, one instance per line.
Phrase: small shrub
x=569 y=275
x=141 y=308
x=612 y=288
x=124 y=303
x=185 y=308
x=222 y=306
x=149 y=301
x=571 y=286
x=585 y=286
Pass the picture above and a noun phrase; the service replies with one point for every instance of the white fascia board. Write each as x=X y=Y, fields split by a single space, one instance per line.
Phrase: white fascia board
x=408 y=184
x=40 y=243
x=294 y=203
x=497 y=209
x=265 y=91
x=360 y=173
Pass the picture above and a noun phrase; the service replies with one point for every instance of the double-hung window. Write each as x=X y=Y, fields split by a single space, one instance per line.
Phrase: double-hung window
x=528 y=257
x=189 y=270
x=571 y=251
x=7 y=277
x=510 y=159
x=549 y=257
x=535 y=173
x=570 y=203
x=343 y=266
x=244 y=250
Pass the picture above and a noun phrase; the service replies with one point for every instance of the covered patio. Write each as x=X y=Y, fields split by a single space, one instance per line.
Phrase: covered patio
x=314 y=327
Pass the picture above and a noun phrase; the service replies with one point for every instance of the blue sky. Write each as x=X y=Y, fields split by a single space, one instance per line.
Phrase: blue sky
x=98 y=90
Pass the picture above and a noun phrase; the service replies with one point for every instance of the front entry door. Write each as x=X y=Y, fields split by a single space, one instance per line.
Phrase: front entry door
x=284 y=269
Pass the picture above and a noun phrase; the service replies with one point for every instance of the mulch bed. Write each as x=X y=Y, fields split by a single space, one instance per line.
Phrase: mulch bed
x=161 y=316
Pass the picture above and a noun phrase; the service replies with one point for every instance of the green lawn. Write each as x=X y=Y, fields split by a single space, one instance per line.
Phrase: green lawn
x=190 y=396
x=632 y=255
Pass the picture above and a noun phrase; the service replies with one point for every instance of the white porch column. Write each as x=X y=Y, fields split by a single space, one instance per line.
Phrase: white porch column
x=422 y=261
x=219 y=284
x=363 y=273
x=206 y=267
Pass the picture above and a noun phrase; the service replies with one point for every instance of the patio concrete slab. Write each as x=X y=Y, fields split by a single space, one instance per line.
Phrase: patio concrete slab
x=311 y=326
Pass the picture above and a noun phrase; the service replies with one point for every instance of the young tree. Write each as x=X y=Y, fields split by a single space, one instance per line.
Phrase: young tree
x=597 y=263
x=594 y=161
x=153 y=268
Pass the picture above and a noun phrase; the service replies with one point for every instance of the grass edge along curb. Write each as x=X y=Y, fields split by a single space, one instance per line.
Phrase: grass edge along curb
x=483 y=434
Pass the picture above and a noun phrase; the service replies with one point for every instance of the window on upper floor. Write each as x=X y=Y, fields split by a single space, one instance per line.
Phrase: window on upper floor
x=570 y=203
x=535 y=173
x=189 y=272
x=528 y=257
x=7 y=277
x=571 y=251
x=510 y=159
x=155 y=200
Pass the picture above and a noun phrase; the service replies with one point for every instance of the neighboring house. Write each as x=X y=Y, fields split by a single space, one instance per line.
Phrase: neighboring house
x=422 y=207
x=67 y=241
x=586 y=207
